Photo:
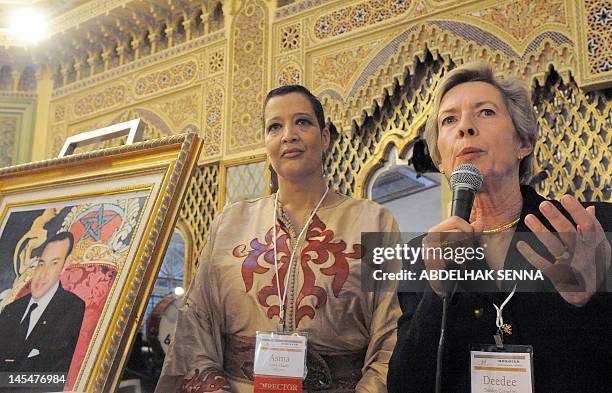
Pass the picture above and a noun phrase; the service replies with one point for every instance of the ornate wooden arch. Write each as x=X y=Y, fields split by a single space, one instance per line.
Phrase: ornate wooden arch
x=407 y=50
x=573 y=150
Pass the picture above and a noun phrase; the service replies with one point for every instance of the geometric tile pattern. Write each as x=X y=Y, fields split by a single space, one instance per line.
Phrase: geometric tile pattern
x=291 y=37
x=598 y=31
x=365 y=13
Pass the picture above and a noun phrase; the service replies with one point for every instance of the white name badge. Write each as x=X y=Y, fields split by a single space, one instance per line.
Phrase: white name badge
x=506 y=371
x=281 y=355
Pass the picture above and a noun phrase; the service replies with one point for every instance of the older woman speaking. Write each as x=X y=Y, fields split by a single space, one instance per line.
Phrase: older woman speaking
x=489 y=123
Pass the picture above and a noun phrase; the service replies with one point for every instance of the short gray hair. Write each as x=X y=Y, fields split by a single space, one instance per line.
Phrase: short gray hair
x=516 y=97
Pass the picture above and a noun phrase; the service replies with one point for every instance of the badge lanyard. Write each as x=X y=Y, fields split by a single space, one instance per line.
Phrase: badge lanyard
x=282 y=298
x=498 y=367
x=499 y=320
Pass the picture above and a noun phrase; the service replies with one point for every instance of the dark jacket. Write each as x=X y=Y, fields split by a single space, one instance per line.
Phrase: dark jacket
x=54 y=336
x=572 y=345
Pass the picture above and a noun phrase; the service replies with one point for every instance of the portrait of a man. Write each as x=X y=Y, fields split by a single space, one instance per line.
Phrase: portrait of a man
x=39 y=331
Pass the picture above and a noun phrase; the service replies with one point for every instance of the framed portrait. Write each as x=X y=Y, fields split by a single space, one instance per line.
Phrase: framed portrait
x=82 y=238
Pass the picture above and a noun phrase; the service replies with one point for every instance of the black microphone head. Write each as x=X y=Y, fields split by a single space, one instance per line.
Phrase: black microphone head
x=466 y=176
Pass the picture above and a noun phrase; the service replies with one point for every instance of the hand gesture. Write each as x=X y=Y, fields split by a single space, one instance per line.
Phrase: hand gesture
x=582 y=252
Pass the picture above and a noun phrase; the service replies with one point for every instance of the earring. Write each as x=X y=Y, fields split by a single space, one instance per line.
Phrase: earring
x=520 y=157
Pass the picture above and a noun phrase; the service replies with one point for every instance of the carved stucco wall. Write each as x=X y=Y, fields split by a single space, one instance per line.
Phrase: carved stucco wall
x=355 y=55
x=16 y=125
x=8 y=131
x=248 y=40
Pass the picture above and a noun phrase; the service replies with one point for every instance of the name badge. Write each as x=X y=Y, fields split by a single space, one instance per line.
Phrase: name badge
x=507 y=370
x=280 y=362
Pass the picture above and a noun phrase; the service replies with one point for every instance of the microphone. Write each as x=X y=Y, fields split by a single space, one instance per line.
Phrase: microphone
x=465 y=181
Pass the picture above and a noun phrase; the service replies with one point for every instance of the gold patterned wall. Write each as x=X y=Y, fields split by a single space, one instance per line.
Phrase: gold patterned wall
x=576 y=140
x=16 y=123
x=205 y=67
x=248 y=42
x=201 y=203
x=8 y=130
x=375 y=64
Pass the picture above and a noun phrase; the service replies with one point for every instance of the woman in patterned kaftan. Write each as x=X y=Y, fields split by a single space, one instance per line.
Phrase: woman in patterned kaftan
x=351 y=332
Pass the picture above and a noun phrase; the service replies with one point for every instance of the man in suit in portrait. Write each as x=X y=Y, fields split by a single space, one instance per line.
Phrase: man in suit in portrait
x=39 y=331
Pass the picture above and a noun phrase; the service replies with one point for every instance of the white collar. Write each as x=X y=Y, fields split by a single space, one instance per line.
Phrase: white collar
x=46 y=298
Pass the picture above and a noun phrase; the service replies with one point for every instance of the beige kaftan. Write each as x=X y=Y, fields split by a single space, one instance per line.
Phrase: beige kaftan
x=234 y=295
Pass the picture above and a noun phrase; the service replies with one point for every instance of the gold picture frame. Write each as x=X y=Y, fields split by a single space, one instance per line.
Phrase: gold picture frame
x=120 y=206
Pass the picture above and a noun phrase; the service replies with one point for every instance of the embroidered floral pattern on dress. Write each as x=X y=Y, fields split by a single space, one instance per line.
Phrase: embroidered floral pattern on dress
x=209 y=380
x=321 y=255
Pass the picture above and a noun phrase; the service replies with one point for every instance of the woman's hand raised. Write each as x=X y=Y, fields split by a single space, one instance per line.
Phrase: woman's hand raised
x=582 y=252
